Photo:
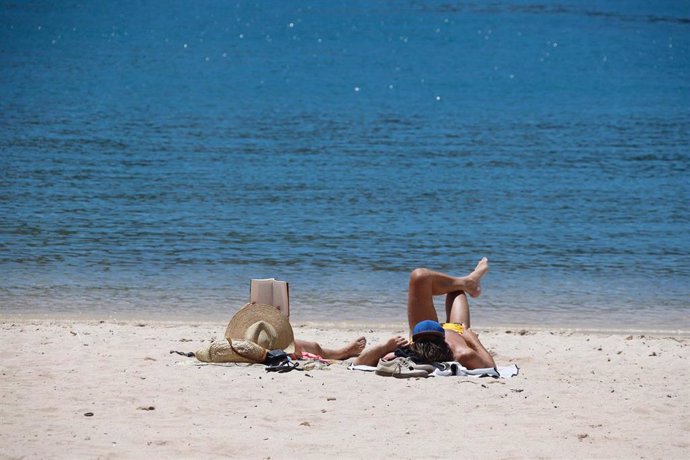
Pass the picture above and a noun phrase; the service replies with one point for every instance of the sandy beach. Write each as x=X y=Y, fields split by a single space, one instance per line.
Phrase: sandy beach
x=111 y=389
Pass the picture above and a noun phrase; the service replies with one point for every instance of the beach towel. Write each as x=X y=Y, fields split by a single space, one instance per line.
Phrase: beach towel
x=454 y=369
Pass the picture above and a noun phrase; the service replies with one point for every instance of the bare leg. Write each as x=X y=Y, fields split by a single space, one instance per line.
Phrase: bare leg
x=457 y=308
x=424 y=284
x=349 y=351
x=371 y=356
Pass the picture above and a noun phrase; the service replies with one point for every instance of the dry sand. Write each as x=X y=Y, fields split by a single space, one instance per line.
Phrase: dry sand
x=578 y=395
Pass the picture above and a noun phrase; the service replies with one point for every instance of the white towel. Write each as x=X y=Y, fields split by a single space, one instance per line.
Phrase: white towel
x=360 y=367
x=457 y=369
x=453 y=368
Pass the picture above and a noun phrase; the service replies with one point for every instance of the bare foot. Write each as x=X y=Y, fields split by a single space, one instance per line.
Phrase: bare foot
x=352 y=350
x=474 y=288
x=371 y=356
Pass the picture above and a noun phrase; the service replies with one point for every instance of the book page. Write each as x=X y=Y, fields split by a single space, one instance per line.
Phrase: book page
x=281 y=299
x=261 y=291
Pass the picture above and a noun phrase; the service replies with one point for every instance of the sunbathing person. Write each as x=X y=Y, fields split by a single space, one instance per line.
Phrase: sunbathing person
x=432 y=341
x=454 y=339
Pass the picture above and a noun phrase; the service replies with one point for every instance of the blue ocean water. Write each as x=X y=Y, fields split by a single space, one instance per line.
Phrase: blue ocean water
x=158 y=155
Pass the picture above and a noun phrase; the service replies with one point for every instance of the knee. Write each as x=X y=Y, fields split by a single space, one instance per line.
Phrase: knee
x=419 y=275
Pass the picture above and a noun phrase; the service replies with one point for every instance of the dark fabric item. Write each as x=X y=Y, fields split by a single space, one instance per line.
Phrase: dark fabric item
x=189 y=354
x=285 y=366
x=274 y=357
x=407 y=352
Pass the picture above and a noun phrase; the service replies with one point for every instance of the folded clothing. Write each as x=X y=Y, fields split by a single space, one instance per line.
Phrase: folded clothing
x=307 y=355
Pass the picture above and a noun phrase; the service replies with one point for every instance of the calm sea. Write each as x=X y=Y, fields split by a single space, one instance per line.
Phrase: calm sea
x=156 y=156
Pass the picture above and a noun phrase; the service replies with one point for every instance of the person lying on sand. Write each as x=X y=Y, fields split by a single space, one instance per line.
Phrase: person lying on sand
x=431 y=341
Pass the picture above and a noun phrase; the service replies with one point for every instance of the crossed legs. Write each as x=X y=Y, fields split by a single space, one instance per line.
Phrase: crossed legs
x=425 y=284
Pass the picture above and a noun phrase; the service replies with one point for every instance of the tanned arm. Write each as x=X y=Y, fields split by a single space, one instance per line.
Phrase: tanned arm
x=481 y=358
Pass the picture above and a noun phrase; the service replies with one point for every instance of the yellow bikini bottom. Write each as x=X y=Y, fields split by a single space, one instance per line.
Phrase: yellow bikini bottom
x=455 y=327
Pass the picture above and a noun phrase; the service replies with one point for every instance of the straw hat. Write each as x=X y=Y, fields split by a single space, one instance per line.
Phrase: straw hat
x=239 y=351
x=263 y=325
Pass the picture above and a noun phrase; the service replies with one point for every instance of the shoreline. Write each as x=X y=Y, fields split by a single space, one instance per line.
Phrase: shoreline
x=172 y=320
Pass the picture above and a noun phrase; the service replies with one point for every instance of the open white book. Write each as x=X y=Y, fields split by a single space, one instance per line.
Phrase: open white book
x=271 y=292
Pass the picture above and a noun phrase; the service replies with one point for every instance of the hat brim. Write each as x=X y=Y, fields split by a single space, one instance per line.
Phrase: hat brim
x=429 y=335
x=235 y=352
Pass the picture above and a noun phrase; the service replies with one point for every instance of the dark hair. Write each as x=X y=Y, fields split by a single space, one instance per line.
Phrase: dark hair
x=432 y=350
